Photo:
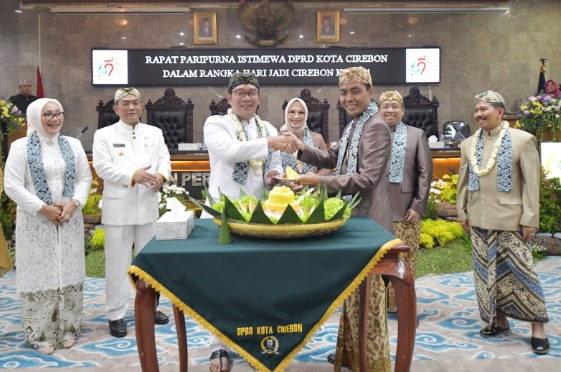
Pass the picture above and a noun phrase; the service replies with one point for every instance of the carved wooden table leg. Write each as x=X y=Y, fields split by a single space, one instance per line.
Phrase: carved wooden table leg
x=181 y=339
x=144 y=314
x=404 y=285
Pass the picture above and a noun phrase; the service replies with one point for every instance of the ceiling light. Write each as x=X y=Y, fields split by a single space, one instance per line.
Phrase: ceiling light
x=426 y=9
x=117 y=9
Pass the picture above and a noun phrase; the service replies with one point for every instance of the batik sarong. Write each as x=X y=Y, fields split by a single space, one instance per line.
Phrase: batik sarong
x=377 y=340
x=53 y=316
x=506 y=281
x=409 y=233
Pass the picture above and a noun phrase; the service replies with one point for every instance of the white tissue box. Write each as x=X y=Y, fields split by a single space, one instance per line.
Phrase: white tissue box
x=188 y=146
x=172 y=227
x=436 y=145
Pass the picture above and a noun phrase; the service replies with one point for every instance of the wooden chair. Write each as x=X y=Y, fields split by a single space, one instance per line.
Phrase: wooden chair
x=220 y=108
x=318 y=113
x=421 y=112
x=106 y=115
x=173 y=116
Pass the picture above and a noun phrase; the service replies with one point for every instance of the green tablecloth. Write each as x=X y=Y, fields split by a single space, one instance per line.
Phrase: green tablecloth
x=263 y=298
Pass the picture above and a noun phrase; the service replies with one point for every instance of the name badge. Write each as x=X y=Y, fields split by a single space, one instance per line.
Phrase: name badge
x=118 y=145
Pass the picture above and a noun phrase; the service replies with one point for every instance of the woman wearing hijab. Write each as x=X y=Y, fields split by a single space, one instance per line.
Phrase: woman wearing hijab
x=295 y=121
x=5 y=259
x=552 y=88
x=47 y=175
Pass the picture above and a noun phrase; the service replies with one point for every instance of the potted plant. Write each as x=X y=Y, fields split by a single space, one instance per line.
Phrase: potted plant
x=541 y=116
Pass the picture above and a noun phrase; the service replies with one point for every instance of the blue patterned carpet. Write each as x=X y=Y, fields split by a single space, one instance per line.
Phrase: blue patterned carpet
x=447 y=308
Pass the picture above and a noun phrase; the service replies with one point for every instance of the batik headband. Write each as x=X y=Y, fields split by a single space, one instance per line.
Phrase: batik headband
x=121 y=92
x=359 y=74
x=391 y=95
x=241 y=78
x=491 y=97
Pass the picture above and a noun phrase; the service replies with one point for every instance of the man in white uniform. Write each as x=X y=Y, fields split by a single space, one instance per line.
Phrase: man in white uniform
x=133 y=161
x=243 y=153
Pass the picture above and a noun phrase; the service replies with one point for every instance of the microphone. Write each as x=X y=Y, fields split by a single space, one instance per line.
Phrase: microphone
x=82 y=132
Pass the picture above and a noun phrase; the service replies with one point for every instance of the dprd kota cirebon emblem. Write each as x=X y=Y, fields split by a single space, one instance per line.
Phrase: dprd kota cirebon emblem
x=270 y=345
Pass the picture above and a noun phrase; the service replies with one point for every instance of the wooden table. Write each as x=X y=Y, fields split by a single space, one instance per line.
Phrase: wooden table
x=390 y=266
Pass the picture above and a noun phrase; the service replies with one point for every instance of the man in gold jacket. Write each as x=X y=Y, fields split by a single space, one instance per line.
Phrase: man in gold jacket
x=498 y=205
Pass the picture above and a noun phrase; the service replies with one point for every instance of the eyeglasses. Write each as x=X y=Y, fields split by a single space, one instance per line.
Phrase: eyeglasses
x=241 y=94
x=51 y=116
x=387 y=107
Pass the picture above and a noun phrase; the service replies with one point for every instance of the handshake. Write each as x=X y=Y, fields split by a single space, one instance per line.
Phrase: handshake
x=286 y=142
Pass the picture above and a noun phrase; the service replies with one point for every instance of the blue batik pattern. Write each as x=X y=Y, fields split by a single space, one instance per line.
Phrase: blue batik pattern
x=352 y=163
x=37 y=170
x=398 y=154
x=241 y=169
x=504 y=164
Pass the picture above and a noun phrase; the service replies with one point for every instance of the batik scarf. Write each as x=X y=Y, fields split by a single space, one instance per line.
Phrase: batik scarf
x=37 y=170
x=241 y=169
x=397 y=163
x=352 y=163
x=504 y=164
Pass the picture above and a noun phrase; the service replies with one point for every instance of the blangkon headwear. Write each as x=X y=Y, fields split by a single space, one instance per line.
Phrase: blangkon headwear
x=241 y=78
x=359 y=74
x=121 y=92
x=391 y=95
x=491 y=97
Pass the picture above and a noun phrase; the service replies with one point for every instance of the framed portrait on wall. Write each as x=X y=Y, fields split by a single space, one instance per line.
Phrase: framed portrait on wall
x=328 y=26
x=205 y=28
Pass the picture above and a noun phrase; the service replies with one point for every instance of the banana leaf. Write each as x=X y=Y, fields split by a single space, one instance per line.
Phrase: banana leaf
x=259 y=216
x=208 y=196
x=289 y=216
x=354 y=201
x=317 y=215
x=224 y=235
x=231 y=210
x=204 y=207
x=340 y=212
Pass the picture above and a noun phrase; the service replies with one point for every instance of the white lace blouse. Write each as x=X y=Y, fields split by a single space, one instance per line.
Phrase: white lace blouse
x=47 y=256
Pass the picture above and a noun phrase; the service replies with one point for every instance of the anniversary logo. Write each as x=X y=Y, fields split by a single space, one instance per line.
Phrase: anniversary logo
x=209 y=67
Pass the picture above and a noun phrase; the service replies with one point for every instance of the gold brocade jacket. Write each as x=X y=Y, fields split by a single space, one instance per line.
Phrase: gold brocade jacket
x=488 y=208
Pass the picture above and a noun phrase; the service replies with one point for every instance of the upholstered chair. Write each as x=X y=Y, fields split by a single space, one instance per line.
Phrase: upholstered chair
x=105 y=114
x=173 y=116
x=220 y=108
x=421 y=112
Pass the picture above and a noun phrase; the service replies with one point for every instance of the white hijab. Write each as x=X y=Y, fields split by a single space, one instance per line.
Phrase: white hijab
x=34 y=117
x=298 y=132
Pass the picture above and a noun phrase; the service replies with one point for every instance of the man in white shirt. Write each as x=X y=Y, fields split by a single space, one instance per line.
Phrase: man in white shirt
x=133 y=161
x=243 y=153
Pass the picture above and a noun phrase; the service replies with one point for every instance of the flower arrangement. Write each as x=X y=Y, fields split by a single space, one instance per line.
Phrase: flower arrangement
x=541 y=114
x=172 y=191
x=10 y=117
x=445 y=189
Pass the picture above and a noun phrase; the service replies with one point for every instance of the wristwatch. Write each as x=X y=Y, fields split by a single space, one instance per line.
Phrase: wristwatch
x=76 y=203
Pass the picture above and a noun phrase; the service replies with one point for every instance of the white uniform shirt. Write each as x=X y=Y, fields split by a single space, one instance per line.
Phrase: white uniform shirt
x=225 y=150
x=118 y=151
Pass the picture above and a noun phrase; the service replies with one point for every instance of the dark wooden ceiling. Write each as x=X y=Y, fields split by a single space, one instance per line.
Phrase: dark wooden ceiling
x=297 y=2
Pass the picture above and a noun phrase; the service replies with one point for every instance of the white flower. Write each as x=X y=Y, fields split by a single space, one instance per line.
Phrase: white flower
x=492 y=158
x=100 y=203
